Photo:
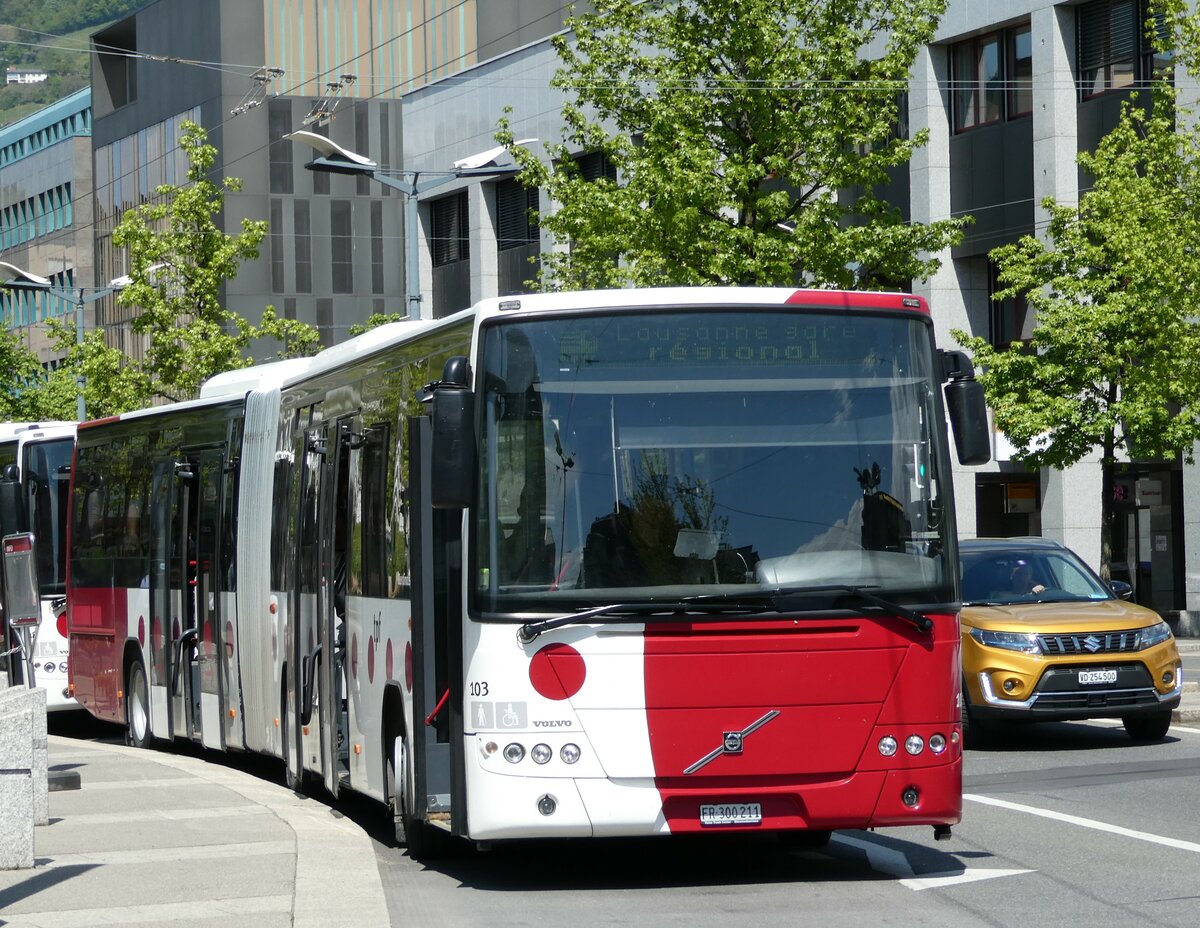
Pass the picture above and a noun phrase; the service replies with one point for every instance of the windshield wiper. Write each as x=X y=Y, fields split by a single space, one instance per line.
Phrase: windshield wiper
x=778 y=600
x=636 y=612
x=741 y=603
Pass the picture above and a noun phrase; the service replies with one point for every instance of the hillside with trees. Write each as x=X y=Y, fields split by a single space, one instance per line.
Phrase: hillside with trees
x=50 y=36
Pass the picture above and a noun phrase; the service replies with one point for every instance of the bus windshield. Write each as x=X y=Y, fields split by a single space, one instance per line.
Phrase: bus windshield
x=48 y=482
x=652 y=457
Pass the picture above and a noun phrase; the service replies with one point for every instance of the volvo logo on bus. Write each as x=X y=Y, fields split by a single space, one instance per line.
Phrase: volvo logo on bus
x=731 y=742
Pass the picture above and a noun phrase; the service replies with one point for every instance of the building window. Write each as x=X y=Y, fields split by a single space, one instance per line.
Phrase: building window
x=362 y=143
x=325 y=321
x=1010 y=319
x=516 y=218
x=376 y=247
x=117 y=58
x=992 y=77
x=320 y=179
x=279 y=119
x=276 y=227
x=342 y=241
x=451 y=230
x=1114 y=51
x=595 y=165
x=303 y=245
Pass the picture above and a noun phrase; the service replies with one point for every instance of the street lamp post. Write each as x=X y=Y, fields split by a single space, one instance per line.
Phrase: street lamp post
x=335 y=159
x=21 y=280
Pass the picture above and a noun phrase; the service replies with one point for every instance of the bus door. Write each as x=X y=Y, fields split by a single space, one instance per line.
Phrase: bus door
x=205 y=576
x=313 y=552
x=332 y=598
x=185 y=506
x=437 y=611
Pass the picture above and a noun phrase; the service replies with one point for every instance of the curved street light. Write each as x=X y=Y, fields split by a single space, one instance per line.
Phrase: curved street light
x=337 y=159
x=21 y=280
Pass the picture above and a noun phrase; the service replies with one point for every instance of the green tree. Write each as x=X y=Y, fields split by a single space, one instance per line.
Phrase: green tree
x=374 y=321
x=729 y=123
x=179 y=257
x=1114 y=360
x=19 y=376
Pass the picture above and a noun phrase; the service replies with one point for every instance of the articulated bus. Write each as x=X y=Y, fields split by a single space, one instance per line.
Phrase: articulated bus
x=613 y=563
x=35 y=471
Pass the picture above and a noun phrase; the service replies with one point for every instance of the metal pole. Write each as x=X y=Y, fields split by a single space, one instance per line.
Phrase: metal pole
x=80 y=403
x=412 y=273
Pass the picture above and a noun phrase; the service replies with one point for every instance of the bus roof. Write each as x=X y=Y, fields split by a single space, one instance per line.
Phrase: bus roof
x=262 y=376
x=26 y=431
x=648 y=298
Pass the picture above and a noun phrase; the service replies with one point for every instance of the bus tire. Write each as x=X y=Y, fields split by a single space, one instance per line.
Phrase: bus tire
x=422 y=841
x=137 y=707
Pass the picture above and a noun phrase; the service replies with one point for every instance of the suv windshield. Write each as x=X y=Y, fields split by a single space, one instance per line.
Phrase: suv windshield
x=1020 y=575
x=652 y=457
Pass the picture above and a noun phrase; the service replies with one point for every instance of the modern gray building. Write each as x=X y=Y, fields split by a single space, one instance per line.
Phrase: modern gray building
x=1010 y=91
x=46 y=216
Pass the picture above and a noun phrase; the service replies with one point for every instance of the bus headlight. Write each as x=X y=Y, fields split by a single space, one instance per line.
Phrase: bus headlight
x=514 y=753
x=540 y=753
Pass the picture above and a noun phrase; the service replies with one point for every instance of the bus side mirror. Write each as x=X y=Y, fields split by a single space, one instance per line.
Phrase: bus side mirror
x=453 y=453
x=967 y=409
x=12 y=506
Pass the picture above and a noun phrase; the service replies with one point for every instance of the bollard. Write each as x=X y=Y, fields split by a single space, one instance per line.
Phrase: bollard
x=17 y=714
x=41 y=759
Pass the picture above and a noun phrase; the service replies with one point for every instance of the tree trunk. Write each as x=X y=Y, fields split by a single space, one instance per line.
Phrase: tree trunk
x=1108 y=466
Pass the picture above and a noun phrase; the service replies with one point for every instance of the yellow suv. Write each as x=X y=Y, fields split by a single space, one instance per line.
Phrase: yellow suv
x=1043 y=638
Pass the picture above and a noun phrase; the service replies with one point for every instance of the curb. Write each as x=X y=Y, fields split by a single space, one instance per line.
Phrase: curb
x=337 y=879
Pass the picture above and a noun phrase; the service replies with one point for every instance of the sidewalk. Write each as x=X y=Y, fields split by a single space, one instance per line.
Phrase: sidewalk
x=152 y=838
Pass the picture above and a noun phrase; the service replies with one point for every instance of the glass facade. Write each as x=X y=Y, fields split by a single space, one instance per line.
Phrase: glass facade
x=388 y=45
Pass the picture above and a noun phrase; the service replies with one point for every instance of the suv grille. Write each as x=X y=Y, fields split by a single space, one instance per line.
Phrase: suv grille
x=1095 y=643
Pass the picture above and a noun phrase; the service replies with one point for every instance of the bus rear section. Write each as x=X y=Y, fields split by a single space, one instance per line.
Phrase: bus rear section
x=708 y=565
x=35 y=464
x=150 y=604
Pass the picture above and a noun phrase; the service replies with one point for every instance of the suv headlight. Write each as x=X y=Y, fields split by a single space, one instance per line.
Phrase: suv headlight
x=1155 y=634
x=1009 y=641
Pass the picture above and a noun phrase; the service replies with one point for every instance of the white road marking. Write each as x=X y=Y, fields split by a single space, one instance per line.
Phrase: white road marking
x=895 y=863
x=1087 y=823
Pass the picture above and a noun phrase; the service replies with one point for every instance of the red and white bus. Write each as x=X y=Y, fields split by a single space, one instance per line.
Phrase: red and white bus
x=35 y=471
x=580 y=564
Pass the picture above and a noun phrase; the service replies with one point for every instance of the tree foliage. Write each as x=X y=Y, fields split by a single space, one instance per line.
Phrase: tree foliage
x=729 y=123
x=19 y=375
x=1113 y=364
x=178 y=259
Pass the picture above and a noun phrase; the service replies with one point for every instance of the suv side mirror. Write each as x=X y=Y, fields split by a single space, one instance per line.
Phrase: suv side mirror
x=1121 y=589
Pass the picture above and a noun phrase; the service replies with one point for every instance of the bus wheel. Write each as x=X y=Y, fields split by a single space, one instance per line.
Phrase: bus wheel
x=422 y=841
x=137 y=707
